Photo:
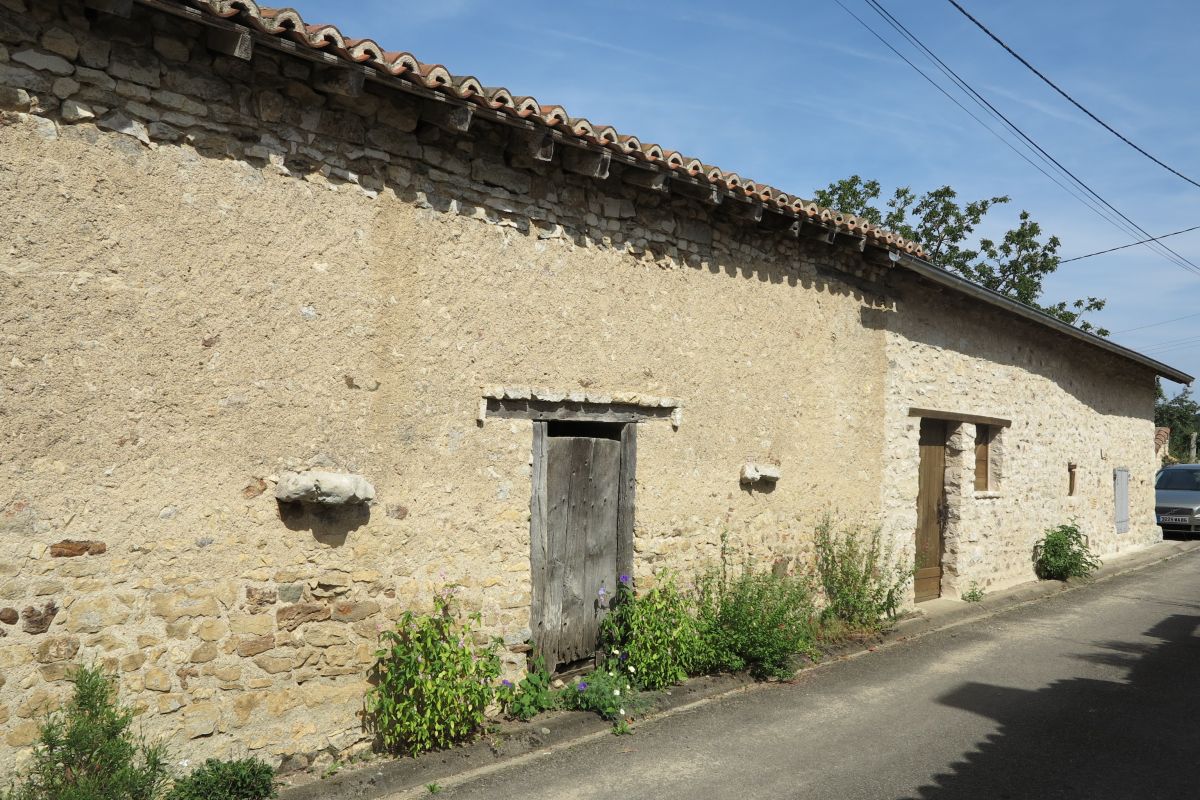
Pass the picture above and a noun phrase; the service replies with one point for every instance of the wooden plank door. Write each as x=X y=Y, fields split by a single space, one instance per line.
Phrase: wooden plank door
x=581 y=500
x=931 y=501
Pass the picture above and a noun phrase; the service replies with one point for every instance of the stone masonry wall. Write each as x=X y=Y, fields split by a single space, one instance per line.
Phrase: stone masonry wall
x=214 y=270
x=1068 y=403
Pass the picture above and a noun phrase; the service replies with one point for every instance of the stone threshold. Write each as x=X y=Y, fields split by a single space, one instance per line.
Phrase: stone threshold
x=513 y=741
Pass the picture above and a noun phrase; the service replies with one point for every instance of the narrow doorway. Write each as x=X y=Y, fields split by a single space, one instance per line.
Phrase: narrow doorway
x=581 y=533
x=931 y=510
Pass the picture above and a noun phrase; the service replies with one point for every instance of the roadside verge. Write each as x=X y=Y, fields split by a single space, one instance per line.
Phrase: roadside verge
x=558 y=731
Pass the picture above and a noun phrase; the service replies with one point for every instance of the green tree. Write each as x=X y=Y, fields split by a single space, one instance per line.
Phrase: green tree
x=1015 y=266
x=1179 y=414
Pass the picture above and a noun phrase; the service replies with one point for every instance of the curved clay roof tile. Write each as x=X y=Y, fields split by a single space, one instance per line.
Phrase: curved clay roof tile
x=608 y=134
x=435 y=75
x=466 y=85
x=223 y=8
x=653 y=152
x=527 y=106
x=400 y=62
x=364 y=50
x=278 y=20
x=320 y=36
x=582 y=127
x=555 y=115
x=630 y=144
x=498 y=97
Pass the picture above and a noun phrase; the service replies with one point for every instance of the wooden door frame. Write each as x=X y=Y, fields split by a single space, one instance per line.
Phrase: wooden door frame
x=539 y=525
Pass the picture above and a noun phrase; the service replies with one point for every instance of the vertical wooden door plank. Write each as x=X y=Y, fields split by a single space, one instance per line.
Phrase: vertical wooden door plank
x=600 y=565
x=576 y=608
x=538 y=537
x=626 y=501
x=558 y=491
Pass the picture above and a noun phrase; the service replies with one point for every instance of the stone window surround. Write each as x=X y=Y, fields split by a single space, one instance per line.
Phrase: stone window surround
x=995 y=446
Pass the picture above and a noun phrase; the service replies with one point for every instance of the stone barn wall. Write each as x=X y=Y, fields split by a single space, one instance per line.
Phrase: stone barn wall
x=215 y=270
x=1068 y=404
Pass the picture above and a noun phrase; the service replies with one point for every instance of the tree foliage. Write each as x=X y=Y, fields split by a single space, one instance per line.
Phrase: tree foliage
x=1016 y=265
x=1179 y=414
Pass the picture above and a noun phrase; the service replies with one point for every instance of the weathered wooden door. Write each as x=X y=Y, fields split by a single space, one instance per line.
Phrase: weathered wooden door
x=581 y=499
x=931 y=506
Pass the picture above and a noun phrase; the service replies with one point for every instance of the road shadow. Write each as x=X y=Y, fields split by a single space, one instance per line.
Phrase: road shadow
x=1086 y=738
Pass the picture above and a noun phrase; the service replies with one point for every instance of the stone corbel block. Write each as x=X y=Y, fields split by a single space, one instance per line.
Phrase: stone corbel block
x=323 y=488
x=759 y=473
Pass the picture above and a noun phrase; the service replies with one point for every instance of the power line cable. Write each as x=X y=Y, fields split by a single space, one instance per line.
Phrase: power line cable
x=1161 y=249
x=1156 y=324
x=1070 y=99
x=1172 y=342
x=1126 y=223
x=1131 y=244
x=1066 y=188
x=1098 y=210
x=1157 y=351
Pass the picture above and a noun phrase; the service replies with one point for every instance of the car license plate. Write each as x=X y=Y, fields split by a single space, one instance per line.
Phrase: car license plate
x=1174 y=520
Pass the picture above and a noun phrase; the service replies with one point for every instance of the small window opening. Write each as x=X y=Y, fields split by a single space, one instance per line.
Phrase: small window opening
x=591 y=430
x=983 y=441
x=1070 y=480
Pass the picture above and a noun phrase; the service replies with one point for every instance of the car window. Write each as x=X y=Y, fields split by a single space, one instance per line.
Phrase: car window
x=1187 y=480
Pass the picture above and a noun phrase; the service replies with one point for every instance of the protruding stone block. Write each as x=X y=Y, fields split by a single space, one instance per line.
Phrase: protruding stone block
x=323 y=488
x=760 y=473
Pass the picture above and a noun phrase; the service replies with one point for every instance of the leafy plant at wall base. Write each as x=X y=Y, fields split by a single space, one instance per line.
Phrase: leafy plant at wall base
x=608 y=691
x=244 y=779
x=1064 y=553
x=532 y=695
x=655 y=632
x=756 y=620
x=88 y=750
x=974 y=593
x=432 y=683
x=862 y=581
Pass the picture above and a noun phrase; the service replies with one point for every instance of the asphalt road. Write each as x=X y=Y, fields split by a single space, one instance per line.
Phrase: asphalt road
x=1091 y=694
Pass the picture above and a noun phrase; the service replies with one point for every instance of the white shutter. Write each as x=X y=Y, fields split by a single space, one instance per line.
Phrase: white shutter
x=1121 y=498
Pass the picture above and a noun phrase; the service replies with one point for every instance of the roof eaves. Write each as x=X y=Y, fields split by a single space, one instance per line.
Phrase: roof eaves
x=285 y=29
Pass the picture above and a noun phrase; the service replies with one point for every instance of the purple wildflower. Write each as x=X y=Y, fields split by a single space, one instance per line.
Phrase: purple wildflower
x=624 y=579
x=582 y=686
x=506 y=683
x=602 y=592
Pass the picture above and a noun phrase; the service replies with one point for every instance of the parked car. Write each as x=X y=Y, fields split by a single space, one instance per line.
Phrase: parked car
x=1177 y=498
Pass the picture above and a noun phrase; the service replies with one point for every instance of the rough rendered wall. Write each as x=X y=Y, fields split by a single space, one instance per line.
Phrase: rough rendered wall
x=212 y=272
x=1068 y=404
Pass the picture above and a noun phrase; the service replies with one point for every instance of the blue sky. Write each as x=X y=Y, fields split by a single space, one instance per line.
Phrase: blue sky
x=798 y=94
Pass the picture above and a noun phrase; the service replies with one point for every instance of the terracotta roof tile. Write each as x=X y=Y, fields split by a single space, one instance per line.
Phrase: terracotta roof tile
x=287 y=22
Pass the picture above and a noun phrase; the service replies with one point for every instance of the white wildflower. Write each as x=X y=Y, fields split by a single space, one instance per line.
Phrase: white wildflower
x=631 y=669
x=622 y=712
x=616 y=692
